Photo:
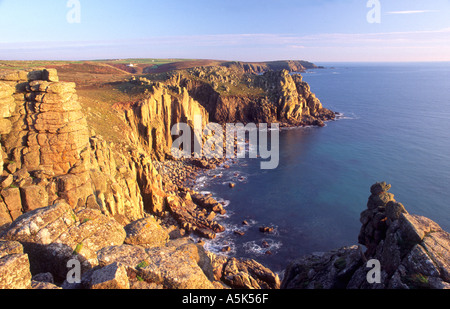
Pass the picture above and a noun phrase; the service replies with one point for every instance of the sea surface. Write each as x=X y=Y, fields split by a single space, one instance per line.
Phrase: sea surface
x=395 y=127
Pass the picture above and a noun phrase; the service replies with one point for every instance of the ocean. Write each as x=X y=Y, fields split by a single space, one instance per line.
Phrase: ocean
x=395 y=127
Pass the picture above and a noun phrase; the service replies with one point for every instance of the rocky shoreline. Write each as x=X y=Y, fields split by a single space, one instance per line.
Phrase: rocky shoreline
x=413 y=253
x=125 y=215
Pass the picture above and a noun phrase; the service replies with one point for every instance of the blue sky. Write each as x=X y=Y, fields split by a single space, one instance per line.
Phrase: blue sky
x=247 y=30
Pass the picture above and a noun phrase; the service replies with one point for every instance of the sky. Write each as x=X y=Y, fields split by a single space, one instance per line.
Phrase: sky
x=240 y=30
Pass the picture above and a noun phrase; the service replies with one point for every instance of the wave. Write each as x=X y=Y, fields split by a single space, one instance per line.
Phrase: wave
x=200 y=183
x=227 y=238
x=297 y=128
x=261 y=247
x=235 y=178
x=351 y=116
x=225 y=203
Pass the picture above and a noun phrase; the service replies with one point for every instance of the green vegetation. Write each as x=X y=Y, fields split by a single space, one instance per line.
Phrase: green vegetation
x=340 y=263
x=24 y=65
x=239 y=90
x=73 y=215
x=142 y=264
x=139 y=278
x=78 y=248
x=149 y=61
x=417 y=281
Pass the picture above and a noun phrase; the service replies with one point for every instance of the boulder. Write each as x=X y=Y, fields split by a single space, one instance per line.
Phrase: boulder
x=13 y=202
x=37 y=285
x=179 y=265
x=174 y=268
x=53 y=235
x=192 y=219
x=127 y=255
x=33 y=197
x=326 y=270
x=249 y=274
x=146 y=233
x=242 y=273
x=43 y=277
x=14 y=266
x=111 y=277
x=14 y=76
x=10 y=247
x=50 y=75
x=7 y=181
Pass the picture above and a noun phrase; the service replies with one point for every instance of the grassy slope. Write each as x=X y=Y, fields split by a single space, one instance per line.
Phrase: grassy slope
x=103 y=83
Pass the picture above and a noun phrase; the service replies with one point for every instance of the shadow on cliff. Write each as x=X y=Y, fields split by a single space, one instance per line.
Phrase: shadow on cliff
x=54 y=258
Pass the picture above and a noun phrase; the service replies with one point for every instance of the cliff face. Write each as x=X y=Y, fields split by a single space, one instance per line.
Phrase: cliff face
x=153 y=118
x=413 y=252
x=230 y=95
x=50 y=156
x=261 y=67
x=67 y=194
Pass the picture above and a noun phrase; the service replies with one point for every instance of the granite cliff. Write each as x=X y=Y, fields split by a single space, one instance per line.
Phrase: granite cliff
x=125 y=212
x=261 y=67
x=67 y=194
x=232 y=95
x=413 y=253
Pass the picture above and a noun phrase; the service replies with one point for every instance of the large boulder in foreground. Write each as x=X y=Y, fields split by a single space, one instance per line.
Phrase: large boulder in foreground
x=53 y=235
x=147 y=233
x=413 y=252
x=243 y=273
x=179 y=265
x=14 y=266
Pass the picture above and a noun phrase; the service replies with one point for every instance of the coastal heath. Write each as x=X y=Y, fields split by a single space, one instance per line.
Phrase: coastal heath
x=217 y=141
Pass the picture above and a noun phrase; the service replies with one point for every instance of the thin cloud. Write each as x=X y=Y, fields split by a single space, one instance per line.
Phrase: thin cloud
x=297 y=46
x=410 y=12
x=420 y=45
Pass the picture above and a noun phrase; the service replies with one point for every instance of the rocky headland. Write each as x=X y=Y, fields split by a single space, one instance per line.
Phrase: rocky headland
x=126 y=211
x=123 y=212
x=413 y=253
x=231 y=95
x=68 y=194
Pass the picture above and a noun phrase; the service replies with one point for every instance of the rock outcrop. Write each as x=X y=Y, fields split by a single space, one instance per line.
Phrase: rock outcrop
x=66 y=194
x=197 y=218
x=49 y=154
x=243 y=273
x=262 y=67
x=413 y=252
x=152 y=119
x=14 y=266
x=141 y=255
x=230 y=95
x=69 y=195
x=53 y=235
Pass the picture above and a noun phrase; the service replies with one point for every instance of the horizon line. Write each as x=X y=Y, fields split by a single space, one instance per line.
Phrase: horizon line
x=222 y=60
